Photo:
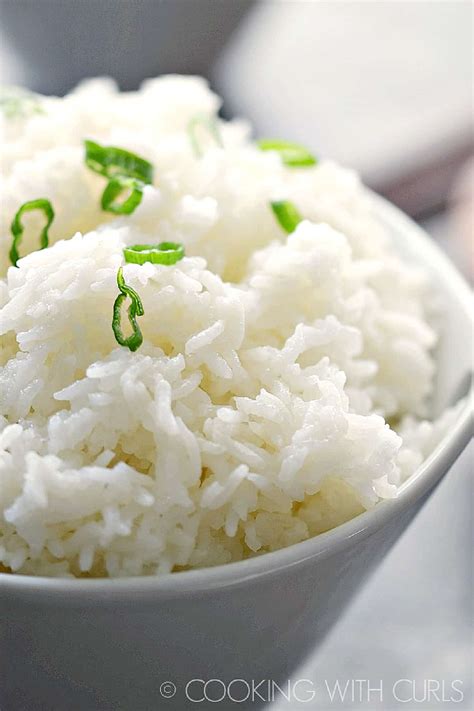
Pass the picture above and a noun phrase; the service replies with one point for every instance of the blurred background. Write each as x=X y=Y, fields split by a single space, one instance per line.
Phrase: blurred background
x=386 y=88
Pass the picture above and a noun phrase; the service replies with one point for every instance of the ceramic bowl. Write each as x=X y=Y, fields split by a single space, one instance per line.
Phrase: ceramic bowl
x=142 y=644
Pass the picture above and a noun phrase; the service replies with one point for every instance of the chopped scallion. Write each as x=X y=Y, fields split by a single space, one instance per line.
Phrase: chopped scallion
x=135 y=309
x=16 y=102
x=115 y=188
x=126 y=172
x=116 y=162
x=208 y=123
x=164 y=253
x=292 y=154
x=17 y=228
x=287 y=215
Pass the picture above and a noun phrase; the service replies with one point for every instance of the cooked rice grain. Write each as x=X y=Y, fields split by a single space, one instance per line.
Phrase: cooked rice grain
x=253 y=415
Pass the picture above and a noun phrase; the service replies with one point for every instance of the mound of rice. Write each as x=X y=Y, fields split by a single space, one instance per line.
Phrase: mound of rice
x=255 y=413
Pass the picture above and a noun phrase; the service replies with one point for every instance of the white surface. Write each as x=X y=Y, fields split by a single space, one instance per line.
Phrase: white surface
x=380 y=86
x=413 y=620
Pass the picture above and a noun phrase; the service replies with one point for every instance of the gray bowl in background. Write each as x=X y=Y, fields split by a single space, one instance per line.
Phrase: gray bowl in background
x=57 y=43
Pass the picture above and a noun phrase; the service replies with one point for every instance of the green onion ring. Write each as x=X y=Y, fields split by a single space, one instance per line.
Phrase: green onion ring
x=292 y=154
x=17 y=227
x=207 y=122
x=114 y=188
x=164 y=253
x=113 y=162
x=135 y=309
x=125 y=170
x=19 y=103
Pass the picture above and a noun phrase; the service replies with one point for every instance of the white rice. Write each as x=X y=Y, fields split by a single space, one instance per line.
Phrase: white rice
x=254 y=414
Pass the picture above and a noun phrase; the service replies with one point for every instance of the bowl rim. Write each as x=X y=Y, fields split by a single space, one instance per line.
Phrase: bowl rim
x=202 y=580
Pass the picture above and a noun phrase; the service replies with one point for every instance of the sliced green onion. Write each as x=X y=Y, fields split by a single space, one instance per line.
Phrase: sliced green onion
x=164 y=253
x=115 y=188
x=135 y=309
x=287 y=215
x=17 y=228
x=291 y=153
x=209 y=123
x=126 y=172
x=16 y=102
x=116 y=162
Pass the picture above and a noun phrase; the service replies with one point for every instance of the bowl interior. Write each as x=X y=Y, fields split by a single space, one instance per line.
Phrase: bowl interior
x=453 y=369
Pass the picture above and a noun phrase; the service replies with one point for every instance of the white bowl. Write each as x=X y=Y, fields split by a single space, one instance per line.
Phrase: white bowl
x=112 y=644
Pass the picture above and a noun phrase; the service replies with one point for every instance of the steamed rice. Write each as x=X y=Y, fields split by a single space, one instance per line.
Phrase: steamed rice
x=255 y=413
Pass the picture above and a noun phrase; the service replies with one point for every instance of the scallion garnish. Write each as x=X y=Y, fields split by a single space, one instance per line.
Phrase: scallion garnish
x=116 y=187
x=292 y=154
x=126 y=172
x=164 y=253
x=113 y=162
x=135 y=309
x=17 y=227
x=209 y=123
x=287 y=215
x=16 y=102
